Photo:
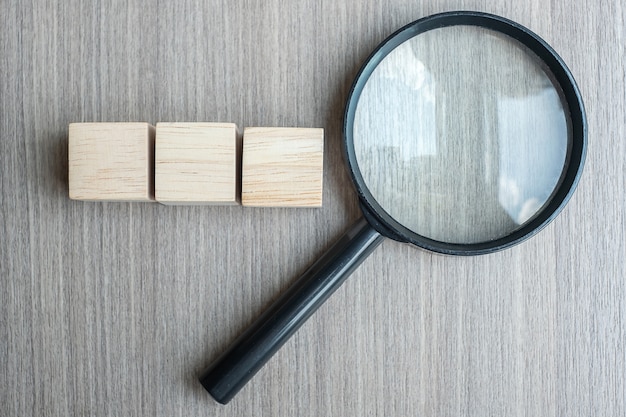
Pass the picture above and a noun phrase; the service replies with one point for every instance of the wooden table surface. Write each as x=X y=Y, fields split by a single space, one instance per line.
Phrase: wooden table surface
x=113 y=309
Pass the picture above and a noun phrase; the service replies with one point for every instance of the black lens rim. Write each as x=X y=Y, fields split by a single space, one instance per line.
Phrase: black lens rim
x=389 y=227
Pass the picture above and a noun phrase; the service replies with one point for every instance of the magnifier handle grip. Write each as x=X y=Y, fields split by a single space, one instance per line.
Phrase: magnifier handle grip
x=247 y=354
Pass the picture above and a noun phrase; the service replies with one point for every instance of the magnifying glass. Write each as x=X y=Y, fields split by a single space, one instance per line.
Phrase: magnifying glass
x=464 y=134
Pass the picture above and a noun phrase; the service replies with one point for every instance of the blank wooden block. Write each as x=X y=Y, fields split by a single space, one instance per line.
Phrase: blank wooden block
x=282 y=167
x=196 y=163
x=111 y=161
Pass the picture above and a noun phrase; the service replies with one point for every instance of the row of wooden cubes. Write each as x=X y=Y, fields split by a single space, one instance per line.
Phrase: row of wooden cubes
x=196 y=163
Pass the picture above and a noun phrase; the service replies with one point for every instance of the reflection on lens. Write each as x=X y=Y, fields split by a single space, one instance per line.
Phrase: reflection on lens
x=460 y=134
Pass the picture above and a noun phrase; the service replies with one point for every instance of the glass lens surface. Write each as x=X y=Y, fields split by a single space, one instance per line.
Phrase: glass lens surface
x=461 y=135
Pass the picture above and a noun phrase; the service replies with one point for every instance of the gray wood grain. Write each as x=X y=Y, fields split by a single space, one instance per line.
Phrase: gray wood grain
x=114 y=308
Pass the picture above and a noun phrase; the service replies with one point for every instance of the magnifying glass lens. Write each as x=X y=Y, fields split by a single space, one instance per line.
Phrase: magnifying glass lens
x=461 y=134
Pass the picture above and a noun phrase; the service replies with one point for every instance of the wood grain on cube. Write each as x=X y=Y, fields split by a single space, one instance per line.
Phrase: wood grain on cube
x=111 y=161
x=282 y=167
x=196 y=163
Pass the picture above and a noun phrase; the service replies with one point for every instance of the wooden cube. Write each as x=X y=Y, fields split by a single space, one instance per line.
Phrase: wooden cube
x=282 y=167
x=197 y=163
x=111 y=161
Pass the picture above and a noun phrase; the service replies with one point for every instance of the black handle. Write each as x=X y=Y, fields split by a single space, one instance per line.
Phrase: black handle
x=231 y=371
